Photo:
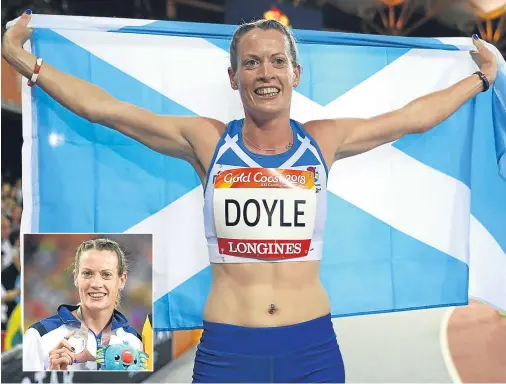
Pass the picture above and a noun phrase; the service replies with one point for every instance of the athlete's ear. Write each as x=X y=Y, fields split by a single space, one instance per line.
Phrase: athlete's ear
x=231 y=75
x=296 y=77
x=122 y=280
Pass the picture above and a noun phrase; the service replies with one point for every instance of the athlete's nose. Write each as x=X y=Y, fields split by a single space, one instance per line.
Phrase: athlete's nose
x=266 y=72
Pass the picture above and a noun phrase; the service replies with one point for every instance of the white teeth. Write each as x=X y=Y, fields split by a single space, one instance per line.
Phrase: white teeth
x=97 y=295
x=267 y=91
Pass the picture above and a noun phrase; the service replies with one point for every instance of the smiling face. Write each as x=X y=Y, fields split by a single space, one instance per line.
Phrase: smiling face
x=265 y=76
x=98 y=280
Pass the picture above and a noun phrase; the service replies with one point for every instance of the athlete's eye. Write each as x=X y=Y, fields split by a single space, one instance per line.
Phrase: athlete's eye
x=107 y=275
x=249 y=63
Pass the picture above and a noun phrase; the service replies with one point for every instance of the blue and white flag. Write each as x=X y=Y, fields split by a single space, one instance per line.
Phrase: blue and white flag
x=417 y=223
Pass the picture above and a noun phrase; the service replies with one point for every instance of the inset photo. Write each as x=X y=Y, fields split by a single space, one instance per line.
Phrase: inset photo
x=86 y=299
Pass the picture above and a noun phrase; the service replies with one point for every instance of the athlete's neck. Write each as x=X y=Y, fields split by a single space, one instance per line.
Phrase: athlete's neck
x=96 y=320
x=269 y=134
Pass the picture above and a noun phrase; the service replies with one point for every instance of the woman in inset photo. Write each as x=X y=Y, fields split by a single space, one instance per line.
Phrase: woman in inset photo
x=91 y=334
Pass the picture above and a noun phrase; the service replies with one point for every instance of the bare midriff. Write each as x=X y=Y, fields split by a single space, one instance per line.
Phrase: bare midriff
x=266 y=294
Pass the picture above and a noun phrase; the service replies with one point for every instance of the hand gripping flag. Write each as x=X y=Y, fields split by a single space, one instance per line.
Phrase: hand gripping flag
x=417 y=223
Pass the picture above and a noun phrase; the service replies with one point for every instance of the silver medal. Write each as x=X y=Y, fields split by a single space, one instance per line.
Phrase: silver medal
x=77 y=341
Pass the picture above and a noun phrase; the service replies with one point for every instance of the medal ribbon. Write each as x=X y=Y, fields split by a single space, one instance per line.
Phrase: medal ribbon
x=83 y=333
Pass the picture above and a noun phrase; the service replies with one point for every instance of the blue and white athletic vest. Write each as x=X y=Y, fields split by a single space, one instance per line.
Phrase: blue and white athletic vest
x=260 y=208
x=42 y=336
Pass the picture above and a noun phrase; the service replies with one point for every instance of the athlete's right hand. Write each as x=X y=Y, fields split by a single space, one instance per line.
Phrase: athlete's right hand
x=61 y=356
x=15 y=36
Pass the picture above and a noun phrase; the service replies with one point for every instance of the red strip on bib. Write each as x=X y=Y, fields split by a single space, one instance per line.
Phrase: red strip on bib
x=265 y=249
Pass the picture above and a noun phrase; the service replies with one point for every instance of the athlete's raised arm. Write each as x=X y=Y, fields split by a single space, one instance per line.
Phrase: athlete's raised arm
x=171 y=135
x=342 y=138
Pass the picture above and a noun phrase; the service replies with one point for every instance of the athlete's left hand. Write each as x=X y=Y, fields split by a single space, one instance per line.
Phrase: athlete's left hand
x=485 y=59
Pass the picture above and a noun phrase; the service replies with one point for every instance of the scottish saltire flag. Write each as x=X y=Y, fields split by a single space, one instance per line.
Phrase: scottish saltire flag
x=417 y=223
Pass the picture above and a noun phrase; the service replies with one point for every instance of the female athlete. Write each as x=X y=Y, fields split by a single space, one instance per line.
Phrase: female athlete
x=267 y=315
x=82 y=336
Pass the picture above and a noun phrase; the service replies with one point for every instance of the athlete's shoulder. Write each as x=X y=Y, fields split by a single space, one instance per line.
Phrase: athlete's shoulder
x=63 y=316
x=47 y=325
x=198 y=128
x=311 y=130
x=315 y=127
x=214 y=123
x=233 y=127
x=208 y=124
x=227 y=130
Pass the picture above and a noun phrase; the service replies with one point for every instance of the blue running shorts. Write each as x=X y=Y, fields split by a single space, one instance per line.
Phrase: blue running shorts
x=299 y=353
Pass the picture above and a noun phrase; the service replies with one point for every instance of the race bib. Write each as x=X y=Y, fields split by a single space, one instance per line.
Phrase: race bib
x=264 y=213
